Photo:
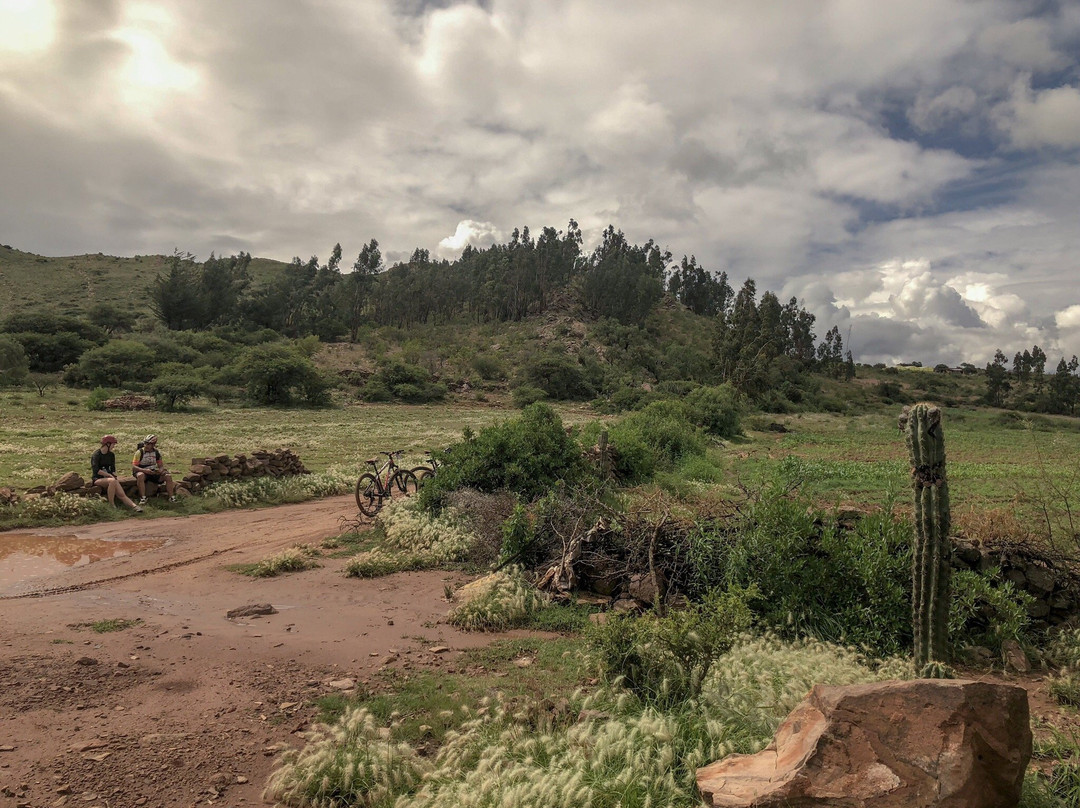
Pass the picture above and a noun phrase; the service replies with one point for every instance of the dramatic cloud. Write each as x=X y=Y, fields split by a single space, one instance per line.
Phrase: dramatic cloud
x=909 y=170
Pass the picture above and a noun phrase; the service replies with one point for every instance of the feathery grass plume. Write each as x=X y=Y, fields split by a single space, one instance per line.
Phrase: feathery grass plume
x=761 y=679
x=61 y=506
x=621 y=752
x=496 y=602
x=413 y=539
x=277 y=490
x=352 y=763
x=291 y=559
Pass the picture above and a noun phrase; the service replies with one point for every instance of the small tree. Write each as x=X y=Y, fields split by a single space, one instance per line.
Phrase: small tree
x=13 y=363
x=175 y=385
x=276 y=372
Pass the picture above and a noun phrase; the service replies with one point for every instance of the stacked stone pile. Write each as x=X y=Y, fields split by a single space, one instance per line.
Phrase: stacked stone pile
x=130 y=402
x=203 y=472
x=1052 y=579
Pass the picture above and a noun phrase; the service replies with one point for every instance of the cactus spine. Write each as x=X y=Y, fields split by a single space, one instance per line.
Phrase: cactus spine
x=921 y=425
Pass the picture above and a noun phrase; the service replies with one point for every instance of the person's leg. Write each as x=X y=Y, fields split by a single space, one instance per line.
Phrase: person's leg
x=106 y=484
x=170 y=487
x=140 y=481
x=122 y=496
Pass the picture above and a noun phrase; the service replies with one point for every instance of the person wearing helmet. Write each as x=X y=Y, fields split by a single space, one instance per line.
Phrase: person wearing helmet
x=147 y=464
x=103 y=473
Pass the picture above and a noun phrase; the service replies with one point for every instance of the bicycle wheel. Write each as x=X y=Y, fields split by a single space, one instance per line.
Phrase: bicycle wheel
x=368 y=495
x=404 y=482
x=423 y=474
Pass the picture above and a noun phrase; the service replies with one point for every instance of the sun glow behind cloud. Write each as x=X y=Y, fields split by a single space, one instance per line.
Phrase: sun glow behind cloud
x=26 y=26
x=150 y=74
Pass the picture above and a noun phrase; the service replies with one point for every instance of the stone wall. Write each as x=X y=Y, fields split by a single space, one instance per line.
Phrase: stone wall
x=1052 y=579
x=202 y=473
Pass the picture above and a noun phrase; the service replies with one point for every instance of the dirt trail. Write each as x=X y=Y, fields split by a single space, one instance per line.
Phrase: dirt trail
x=188 y=707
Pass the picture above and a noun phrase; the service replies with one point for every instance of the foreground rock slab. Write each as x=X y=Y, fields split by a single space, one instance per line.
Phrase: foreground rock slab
x=928 y=742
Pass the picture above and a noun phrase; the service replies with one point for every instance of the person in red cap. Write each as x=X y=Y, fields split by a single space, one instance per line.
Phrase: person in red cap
x=103 y=473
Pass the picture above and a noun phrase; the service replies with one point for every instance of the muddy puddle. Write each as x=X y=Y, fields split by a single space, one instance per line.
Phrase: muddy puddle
x=28 y=555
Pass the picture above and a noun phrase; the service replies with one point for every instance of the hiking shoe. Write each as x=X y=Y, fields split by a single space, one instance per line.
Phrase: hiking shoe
x=142 y=500
x=136 y=509
x=172 y=499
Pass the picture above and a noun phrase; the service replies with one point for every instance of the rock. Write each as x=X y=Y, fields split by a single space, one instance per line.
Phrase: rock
x=977 y=655
x=439 y=649
x=642 y=588
x=1040 y=579
x=918 y=744
x=626 y=606
x=598 y=618
x=1015 y=658
x=86 y=661
x=250 y=610
x=342 y=684
x=1038 y=608
x=69 y=482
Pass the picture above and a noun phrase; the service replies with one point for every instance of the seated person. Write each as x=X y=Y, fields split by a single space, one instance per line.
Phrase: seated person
x=103 y=473
x=147 y=464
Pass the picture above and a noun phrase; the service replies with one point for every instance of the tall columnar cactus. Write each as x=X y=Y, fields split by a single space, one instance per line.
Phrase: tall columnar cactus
x=921 y=425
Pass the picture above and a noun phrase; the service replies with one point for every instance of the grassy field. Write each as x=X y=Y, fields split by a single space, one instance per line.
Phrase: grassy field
x=43 y=437
x=994 y=459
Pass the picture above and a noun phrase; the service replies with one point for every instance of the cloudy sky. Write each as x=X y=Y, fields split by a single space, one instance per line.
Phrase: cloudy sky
x=910 y=171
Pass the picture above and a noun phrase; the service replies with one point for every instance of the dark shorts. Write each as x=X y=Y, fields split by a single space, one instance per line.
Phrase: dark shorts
x=153 y=476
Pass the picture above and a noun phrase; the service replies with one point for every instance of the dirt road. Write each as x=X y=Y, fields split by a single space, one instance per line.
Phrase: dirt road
x=189 y=707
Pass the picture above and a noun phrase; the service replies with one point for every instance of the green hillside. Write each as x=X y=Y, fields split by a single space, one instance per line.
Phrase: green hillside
x=73 y=283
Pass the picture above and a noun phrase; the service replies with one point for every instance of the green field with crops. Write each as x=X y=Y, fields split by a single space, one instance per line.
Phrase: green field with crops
x=995 y=460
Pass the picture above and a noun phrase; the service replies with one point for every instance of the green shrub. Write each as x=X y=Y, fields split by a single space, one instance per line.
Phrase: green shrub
x=403 y=381
x=524 y=395
x=291 y=559
x=654 y=439
x=715 y=409
x=97 y=398
x=278 y=373
x=114 y=364
x=986 y=610
x=527 y=456
x=665 y=660
x=814 y=578
x=559 y=376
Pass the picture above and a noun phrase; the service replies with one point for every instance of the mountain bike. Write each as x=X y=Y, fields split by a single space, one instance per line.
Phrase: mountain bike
x=373 y=488
x=423 y=473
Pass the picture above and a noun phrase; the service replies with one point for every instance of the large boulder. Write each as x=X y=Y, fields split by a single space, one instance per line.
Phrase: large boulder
x=928 y=742
x=71 y=481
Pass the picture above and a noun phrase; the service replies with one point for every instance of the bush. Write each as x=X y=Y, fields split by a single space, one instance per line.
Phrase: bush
x=412 y=540
x=527 y=456
x=812 y=577
x=176 y=385
x=654 y=439
x=525 y=395
x=716 y=410
x=559 y=376
x=986 y=610
x=403 y=381
x=665 y=660
x=13 y=363
x=98 y=397
x=114 y=364
x=276 y=373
